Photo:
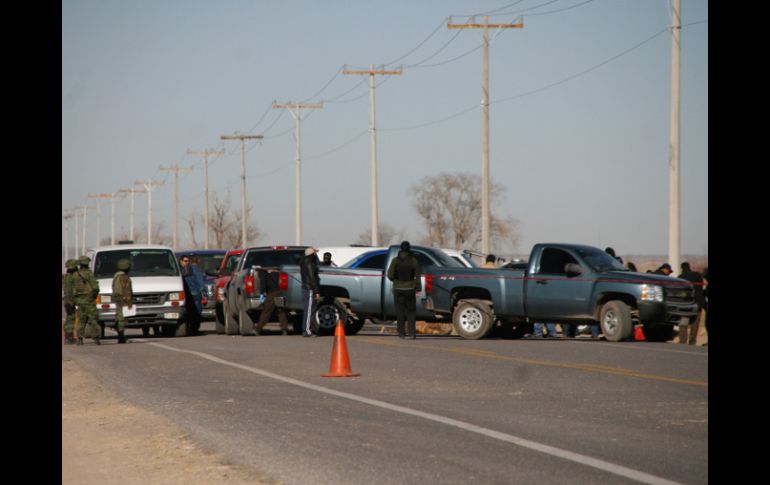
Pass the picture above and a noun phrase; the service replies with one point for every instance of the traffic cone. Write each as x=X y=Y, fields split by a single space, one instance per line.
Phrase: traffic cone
x=639 y=334
x=340 y=363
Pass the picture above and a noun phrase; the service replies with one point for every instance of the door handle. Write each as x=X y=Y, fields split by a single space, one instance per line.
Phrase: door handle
x=541 y=282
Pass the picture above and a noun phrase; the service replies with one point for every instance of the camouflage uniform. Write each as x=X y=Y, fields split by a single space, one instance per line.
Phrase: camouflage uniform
x=122 y=296
x=86 y=291
x=68 y=299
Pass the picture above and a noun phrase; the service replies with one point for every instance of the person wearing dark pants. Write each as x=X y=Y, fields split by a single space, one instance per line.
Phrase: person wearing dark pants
x=404 y=271
x=311 y=288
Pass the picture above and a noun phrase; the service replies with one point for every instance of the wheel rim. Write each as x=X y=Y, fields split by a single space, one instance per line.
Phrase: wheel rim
x=470 y=320
x=327 y=316
x=610 y=323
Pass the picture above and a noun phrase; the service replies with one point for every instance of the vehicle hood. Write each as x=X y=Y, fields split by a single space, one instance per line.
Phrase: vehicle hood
x=644 y=278
x=146 y=284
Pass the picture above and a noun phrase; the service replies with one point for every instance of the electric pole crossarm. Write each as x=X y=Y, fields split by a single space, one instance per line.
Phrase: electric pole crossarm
x=373 y=71
x=488 y=26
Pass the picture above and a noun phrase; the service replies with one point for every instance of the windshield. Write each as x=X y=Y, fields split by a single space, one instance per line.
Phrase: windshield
x=273 y=258
x=208 y=262
x=232 y=263
x=144 y=262
x=442 y=258
x=600 y=261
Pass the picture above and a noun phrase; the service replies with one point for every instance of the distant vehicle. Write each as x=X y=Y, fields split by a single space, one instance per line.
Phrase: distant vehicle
x=210 y=261
x=568 y=283
x=226 y=268
x=370 y=260
x=465 y=256
x=341 y=255
x=157 y=284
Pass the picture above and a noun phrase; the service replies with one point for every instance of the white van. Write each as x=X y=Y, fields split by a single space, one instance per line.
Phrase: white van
x=157 y=283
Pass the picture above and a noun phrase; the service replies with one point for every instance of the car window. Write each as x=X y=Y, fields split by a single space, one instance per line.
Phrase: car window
x=376 y=261
x=553 y=260
x=144 y=262
x=231 y=264
x=273 y=259
x=428 y=257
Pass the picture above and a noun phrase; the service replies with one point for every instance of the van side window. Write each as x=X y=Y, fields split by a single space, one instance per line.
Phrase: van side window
x=552 y=261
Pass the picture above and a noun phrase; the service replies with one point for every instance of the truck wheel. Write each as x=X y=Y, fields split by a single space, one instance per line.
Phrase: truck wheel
x=180 y=330
x=220 y=319
x=231 y=326
x=354 y=325
x=615 y=320
x=472 y=321
x=245 y=322
x=325 y=317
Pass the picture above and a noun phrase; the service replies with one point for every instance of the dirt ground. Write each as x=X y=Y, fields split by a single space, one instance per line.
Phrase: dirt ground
x=106 y=441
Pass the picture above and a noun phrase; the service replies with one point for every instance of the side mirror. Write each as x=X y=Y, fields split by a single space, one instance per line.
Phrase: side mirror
x=573 y=269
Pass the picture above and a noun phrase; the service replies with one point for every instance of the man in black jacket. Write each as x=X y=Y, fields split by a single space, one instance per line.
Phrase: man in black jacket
x=404 y=271
x=311 y=288
x=688 y=334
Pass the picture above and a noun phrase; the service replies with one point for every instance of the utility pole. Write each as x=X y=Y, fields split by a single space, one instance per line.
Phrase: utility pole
x=373 y=135
x=98 y=198
x=674 y=183
x=77 y=237
x=243 y=178
x=485 y=120
x=132 y=191
x=85 y=214
x=148 y=186
x=298 y=163
x=67 y=215
x=176 y=169
x=206 y=154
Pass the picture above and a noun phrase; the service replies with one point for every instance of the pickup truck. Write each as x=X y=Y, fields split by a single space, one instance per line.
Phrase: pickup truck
x=562 y=283
x=352 y=295
x=226 y=268
x=255 y=275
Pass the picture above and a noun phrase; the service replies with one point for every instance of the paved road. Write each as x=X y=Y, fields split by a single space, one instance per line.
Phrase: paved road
x=436 y=410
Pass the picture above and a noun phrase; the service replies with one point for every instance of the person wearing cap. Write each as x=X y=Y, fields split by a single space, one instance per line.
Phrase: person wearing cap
x=404 y=271
x=489 y=262
x=311 y=288
x=68 y=298
x=664 y=269
x=86 y=290
x=122 y=295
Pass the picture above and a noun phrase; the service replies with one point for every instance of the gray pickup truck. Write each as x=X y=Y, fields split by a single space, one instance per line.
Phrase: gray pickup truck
x=352 y=295
x=255 y=275
x=562 y=283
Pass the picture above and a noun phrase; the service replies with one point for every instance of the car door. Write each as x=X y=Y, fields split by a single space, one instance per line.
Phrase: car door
x=552 y=294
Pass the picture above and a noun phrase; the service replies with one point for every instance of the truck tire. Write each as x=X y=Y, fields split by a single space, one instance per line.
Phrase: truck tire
x=325 y=317
x=231 y=326
x=245 y=322
x=180 y=330
x=220 y=319
x=472 y=320
x=354 y=325
x=615 y=321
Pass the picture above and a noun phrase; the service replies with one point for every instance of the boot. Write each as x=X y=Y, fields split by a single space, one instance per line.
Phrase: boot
x=80 y=341
x=68 y=339
x=97 y=341
x=121 y=337
x=683 y=332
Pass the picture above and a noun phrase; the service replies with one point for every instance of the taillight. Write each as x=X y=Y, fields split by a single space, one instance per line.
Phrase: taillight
x=248 y=283
x=283 y=281
x=428 y=283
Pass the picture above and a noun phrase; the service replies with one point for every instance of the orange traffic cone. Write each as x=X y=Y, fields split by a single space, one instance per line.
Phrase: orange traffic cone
x=340 y=363
x=639 y=334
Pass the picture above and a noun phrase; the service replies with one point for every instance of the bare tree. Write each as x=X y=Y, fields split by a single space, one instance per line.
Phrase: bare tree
x=192 y=225
x=450 y=207
x=386 y=234
x=225 y=225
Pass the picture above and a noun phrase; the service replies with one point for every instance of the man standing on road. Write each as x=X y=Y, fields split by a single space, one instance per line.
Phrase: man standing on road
x=122 y=294
x=404 y=271
x=68 y=287
x=311 y=288
x=194 y=286
x=86 y=290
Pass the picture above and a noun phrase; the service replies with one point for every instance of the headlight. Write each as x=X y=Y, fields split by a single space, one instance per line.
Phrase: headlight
x=173 y=296
x=652 y=293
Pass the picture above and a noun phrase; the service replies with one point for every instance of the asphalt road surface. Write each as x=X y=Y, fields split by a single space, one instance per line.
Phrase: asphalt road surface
x=438 y=409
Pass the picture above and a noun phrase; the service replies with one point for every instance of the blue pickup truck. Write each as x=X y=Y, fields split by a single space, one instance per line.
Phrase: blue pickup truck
x=567 y=283
x=355 y=294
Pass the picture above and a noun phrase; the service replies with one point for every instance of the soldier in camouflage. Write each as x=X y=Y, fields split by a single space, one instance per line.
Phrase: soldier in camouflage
x=68 y=299
x=122 y=296
x=86 y=289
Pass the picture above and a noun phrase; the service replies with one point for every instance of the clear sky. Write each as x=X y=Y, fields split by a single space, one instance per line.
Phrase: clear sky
x=579 y=115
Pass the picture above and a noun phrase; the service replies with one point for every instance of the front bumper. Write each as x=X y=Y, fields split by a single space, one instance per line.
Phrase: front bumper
x=653 y=313
x=145 y=316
